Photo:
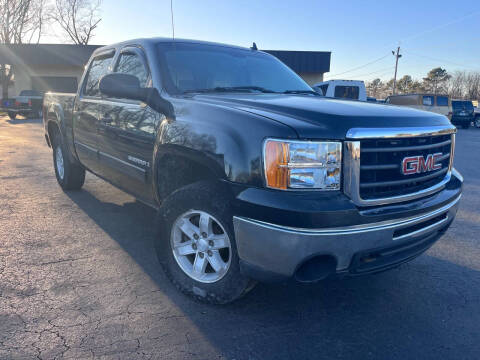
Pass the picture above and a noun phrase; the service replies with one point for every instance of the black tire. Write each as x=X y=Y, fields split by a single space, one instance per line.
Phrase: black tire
x=12 y=115
x=465 y=126
x=73 y=173
x=476 y=122
x=205 y=197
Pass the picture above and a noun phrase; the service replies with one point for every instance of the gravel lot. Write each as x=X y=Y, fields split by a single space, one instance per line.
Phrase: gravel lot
x=78 y=279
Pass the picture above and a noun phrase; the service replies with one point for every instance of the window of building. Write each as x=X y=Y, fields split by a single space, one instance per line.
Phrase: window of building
x=98 y=68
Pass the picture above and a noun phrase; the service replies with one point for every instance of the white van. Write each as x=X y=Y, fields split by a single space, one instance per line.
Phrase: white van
x=345 y=89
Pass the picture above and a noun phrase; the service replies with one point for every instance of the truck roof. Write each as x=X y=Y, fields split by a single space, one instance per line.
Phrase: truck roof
x=148 y=42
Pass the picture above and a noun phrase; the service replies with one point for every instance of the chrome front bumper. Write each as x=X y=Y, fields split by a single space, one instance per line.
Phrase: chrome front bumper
x=281 y=250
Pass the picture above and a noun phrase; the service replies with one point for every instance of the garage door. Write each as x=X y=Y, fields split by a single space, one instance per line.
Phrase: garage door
x=54 y=83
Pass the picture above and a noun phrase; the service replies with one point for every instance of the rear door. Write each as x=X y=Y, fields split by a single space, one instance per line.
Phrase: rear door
x=127 y=131
x=86 y=115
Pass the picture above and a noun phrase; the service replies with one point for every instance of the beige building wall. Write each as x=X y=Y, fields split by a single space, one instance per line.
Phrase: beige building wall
x=23 y=75
x=311 y=78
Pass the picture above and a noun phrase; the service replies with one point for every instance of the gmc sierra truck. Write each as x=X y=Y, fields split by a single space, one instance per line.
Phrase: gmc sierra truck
x=255 y=176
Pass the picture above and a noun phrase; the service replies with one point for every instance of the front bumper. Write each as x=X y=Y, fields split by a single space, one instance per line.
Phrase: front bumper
x=270 y=252
x=462 y=119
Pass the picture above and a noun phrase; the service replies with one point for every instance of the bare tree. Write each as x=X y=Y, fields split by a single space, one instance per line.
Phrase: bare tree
x=21 y=21
x=472 y=86
x=456 y=85
x=77 y=18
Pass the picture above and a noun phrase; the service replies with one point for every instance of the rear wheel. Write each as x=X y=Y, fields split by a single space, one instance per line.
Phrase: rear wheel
x=70 y=175
x=196 y=245
x=466 y=126
x=12 y=115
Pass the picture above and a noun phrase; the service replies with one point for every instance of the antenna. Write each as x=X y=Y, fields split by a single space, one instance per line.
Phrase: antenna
x=254 y=47
x=173 y=25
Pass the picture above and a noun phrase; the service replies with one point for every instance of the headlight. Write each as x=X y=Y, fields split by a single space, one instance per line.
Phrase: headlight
x=302 y=164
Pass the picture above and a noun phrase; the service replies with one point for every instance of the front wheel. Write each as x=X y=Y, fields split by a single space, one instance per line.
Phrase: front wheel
x=477 y=122
x=196 y=245
x=70 y=175
x=12 y=115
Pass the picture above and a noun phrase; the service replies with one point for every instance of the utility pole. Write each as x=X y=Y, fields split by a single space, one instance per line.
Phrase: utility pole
x=397 y=56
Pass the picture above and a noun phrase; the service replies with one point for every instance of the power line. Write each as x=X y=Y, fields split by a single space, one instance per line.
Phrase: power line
x=361 y=66
x=389 y=68
x=441 y=26
x=441 y=60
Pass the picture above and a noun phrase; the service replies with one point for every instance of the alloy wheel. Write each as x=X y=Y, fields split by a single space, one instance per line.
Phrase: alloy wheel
x=201 y=246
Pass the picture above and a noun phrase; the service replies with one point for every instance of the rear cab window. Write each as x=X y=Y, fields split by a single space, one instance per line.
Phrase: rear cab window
x=347 y=92
x=98 y=67
x=428 y=100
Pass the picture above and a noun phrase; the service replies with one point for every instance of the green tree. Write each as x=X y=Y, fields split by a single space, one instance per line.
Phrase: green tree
x=404 y=84
x=436 y=80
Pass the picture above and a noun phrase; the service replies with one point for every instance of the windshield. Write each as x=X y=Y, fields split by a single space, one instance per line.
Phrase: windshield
x=467 y=105
x=200 y=67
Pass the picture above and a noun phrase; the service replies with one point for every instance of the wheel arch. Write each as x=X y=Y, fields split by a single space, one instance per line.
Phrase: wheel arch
x=178 y=167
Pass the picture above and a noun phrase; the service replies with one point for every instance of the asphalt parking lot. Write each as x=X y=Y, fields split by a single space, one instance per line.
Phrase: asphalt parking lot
x=79 y=279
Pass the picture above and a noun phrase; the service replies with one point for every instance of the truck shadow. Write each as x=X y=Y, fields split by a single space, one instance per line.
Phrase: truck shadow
x=18 y=121
x=410 y=312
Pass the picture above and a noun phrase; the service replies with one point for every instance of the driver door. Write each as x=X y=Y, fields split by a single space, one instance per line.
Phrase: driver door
x=127 y=131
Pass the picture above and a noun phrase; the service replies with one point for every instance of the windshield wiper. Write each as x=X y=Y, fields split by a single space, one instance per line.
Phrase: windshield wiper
x=230 y=89
x=311 y=92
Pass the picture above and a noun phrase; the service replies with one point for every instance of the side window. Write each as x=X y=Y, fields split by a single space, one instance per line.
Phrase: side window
x=428 y=100
x=98 y=68
x=324 y=89
x=130 y=63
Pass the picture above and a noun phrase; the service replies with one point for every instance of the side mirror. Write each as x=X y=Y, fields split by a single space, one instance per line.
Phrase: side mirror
x=124 y=86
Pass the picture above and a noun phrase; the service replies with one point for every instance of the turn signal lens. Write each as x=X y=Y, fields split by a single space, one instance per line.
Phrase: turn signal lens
x=276 y=164
x=302 y=164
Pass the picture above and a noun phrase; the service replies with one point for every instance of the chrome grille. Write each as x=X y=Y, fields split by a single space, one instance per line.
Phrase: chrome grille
x=373 y=158
x=381 y=159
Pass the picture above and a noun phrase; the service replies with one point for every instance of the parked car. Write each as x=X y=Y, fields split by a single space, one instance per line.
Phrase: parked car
x=342 y=89
x=463 y=113
x=440 y=104
x=254 y=176
x=28 y=103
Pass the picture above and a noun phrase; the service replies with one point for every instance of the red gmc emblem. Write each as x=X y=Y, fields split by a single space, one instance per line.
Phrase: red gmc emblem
x=418 y=164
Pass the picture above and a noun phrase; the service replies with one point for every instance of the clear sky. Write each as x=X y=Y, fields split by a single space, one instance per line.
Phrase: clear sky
x=430 y=32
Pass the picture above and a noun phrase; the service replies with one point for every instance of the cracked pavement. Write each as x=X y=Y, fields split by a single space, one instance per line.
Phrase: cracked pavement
x=79 y=280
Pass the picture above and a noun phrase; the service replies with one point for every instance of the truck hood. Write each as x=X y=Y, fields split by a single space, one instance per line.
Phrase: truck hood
x=319 y=117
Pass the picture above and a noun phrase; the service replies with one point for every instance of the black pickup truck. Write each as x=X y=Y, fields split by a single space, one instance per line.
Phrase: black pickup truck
x=255 y=177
